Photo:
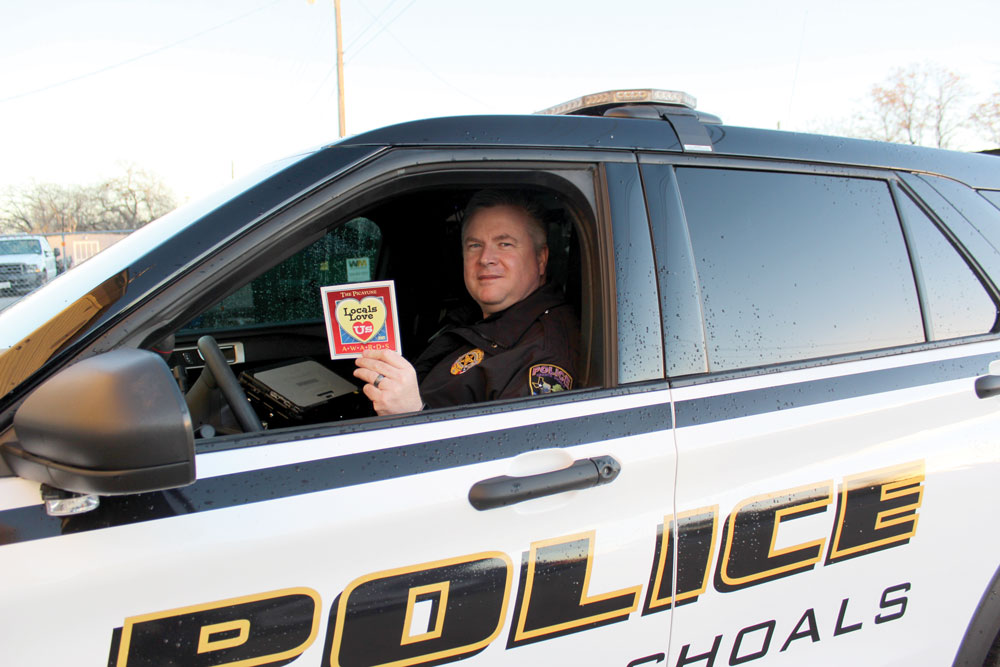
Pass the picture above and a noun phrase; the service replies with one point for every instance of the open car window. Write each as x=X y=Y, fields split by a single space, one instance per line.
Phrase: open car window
x=272 y=330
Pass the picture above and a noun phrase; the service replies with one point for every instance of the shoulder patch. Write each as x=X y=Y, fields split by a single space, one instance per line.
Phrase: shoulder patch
x=547 y=378
x=467 y=361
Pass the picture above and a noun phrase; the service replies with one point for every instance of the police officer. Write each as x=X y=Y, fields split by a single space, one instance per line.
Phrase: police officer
x=526 y=341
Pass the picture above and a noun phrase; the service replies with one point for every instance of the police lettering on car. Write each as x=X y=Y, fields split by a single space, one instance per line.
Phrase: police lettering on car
x=741 y=408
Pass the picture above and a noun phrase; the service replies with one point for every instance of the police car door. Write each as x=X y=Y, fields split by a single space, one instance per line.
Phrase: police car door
x=514 y=533
x=828 y=458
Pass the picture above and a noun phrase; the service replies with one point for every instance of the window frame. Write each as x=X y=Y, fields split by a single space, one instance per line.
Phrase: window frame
x=308 y=219
x=899 y=190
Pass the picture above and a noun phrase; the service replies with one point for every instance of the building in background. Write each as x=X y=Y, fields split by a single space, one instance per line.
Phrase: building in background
x=77 y=247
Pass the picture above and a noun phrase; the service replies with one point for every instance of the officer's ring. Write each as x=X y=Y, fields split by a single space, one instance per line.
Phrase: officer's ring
x=378 y=379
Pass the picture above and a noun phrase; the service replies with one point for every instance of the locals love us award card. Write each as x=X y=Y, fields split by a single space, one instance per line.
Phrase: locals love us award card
x=361 y=316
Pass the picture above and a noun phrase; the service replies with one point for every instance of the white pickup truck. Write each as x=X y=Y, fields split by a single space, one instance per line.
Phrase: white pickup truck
x=26 y=262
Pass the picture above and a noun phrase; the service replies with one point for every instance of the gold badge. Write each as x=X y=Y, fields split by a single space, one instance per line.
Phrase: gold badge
x=467 y=361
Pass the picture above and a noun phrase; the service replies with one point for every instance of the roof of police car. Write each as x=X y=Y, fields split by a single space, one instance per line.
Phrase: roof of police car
x=555 y=131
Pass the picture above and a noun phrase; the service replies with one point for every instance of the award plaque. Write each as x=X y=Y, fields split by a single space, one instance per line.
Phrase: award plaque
x=360 y=316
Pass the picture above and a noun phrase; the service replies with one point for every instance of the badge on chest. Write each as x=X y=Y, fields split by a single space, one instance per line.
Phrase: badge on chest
x=467 y=361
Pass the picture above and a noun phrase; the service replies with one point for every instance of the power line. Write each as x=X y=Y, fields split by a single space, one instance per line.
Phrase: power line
x=375 y=22
x=141 y=56
x=438 y=76
x=383 y=28
x=413 y=56
x=795 y=75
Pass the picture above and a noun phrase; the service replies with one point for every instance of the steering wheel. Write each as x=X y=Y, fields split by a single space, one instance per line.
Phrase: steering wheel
x=223 y=375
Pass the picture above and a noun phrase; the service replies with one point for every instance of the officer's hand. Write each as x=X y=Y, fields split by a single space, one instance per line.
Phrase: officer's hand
x=392 y=382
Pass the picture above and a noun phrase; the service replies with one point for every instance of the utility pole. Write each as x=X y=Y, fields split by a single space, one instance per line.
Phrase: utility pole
x=340 y=72
x=340 y=68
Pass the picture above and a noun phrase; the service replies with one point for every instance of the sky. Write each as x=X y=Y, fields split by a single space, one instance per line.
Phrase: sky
x=200 y=91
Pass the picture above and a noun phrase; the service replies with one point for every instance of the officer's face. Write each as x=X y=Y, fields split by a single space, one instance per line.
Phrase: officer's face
x=501 y=264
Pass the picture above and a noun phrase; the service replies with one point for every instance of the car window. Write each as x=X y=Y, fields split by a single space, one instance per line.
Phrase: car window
x=977 y=210
x=955 y=300
x=797 y=266
x=289 y=292
x=639 y=319
x=20 y=247
x=273 y=327
x=972 y=236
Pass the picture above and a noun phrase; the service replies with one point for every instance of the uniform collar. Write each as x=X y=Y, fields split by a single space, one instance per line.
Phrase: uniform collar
x=506 y=327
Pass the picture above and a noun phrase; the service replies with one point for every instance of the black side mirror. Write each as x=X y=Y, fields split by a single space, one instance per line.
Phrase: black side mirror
x=112 y=424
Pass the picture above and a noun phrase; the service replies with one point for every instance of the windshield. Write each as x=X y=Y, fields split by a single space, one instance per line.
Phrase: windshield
x=20 y=247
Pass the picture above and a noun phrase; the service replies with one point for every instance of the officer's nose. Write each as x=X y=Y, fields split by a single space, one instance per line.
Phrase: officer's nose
x=487 y=257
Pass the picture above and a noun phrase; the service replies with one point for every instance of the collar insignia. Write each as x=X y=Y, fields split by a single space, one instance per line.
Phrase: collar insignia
x=467 y=361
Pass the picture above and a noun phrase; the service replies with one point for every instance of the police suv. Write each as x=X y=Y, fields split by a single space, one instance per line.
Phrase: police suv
x=783 y=448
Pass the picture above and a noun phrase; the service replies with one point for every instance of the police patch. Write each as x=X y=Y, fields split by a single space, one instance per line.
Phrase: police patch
x=467 y=361
x=547 y=378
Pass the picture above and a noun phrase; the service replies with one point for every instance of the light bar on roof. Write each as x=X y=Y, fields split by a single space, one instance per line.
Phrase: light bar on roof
x=628 y=96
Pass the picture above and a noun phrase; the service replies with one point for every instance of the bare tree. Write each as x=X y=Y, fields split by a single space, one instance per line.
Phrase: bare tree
x=986 y=117
x=48 y=208
x=920 y=104
x=127 y=201
x=132 y=199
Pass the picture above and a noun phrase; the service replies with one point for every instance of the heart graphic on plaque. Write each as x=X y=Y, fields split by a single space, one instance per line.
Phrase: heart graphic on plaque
x=362 y=319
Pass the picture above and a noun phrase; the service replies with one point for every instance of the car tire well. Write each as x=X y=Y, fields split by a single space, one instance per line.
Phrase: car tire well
x=980 y=644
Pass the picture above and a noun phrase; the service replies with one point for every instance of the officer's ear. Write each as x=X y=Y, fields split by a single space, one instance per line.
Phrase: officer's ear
x=542 y=254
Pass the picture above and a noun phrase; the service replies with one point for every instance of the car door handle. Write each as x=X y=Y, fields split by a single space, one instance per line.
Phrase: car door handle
x=505 y=490
x=988 y=385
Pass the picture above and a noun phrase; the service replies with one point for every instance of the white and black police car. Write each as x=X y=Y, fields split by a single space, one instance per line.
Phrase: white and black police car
x=782 y=449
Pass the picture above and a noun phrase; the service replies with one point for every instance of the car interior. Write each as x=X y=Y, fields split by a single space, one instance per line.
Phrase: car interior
x=272 y=334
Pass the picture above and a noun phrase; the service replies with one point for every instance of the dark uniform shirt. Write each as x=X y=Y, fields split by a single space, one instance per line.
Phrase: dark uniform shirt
x=530 y=348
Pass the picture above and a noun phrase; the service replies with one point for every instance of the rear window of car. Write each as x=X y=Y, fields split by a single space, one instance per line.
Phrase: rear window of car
x=797 y=266
x=955 y=301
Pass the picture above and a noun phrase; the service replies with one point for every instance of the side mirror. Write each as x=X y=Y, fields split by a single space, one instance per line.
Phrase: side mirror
x=55 y=252
x=112 y=424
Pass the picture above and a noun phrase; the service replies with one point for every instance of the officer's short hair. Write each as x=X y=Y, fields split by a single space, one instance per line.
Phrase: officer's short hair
x=516 y=199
